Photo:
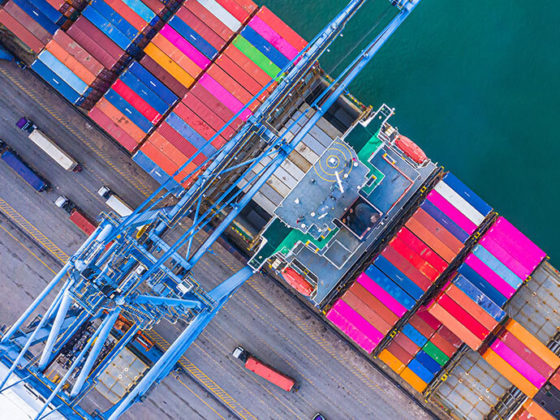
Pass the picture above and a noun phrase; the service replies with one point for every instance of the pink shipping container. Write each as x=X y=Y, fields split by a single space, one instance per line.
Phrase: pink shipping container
x=502 y=254
x=358 y=321
x=224 y=96
x=185 y=47
x=517 y=245
x=490 y=276
x=274 y=38
x=347 y=328
x=384 y=297
x=454 y=214
x=520 y=365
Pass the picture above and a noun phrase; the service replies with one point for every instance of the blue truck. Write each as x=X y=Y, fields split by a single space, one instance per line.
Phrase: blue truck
x=21 y=168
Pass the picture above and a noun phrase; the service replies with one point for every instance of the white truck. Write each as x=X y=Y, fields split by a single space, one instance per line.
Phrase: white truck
x=48 y=146
x=115 y=202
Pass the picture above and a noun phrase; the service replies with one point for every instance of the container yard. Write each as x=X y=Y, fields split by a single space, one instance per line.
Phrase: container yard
x=218 y=195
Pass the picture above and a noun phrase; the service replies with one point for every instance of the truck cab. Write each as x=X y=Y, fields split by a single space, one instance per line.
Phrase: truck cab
x=114 y=202
x=65 y=204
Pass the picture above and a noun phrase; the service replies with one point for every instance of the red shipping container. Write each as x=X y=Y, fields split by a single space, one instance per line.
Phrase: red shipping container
x=244 y=62
x=128 y=14
x=212 y=102
x=451 y=338
x=27 y=22
x=281 y=28
x=120 y=120
x=229 y=66
x=371 y=301
x=113 y=129
x=248 y=5
x=95 y=42
x=439 y=231
x=180 y=143
x=155 y=6
x=159 y=158
x=428 y=318
x=167 y=149
x=406 y=343
x=207 y=17
x=421 y=326
x=57 y=4
x=20 y=31
x=207 y=115
x=416 y=260
x=76 y=51
x=230 y=83
x=194 y=121
x=234 y=9
x=445 y=346
x=406 y=267
x=527 y=354
x=136 y=101
x=366 y=312
x=163 y=76
x=456 y=326
x=463 y=316
x=400 y=353
x=473 y=308
x=201 y=28
x=414 y=243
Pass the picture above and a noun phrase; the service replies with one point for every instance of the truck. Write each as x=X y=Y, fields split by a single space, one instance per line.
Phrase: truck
x=22 y=168
x=76 y=215
x=115 y=202
x=48 y=146
x=264 y=371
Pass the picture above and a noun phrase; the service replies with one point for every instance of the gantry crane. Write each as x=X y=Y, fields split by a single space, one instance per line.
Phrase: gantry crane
x=127 y=268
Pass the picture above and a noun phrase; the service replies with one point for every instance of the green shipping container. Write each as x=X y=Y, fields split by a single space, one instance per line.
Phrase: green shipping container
x=435 y=353
x=256 y=56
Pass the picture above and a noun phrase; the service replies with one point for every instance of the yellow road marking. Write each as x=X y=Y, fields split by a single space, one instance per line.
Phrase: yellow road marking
x=27 y=249
x=201 y=399
x=144 y=189
x=24 y=224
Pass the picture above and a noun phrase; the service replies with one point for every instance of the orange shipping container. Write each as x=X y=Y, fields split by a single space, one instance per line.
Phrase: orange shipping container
x=167 y=149
x=455 y=326
x=163 y=161
x=391 y=361
x=176 y=55
x=510 y=373
x=439 y=231
x=228 y=82
x=366 y=312
x=473 y=308
x=120 y=119
x=533 y=343
x=536 y=410
x=77 y=68
x=413 y=379
x=169 y=65
x=430 y=239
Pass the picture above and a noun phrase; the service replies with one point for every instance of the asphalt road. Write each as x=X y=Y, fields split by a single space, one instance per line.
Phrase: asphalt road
x=36 y=237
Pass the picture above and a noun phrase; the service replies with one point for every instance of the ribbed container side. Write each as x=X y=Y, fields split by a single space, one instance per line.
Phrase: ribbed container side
x=81 y=71
x=28 y=22
x=57 y=67
x=129 y=111
x=222 y=14
x=210 y=19
x=164 y=76
x=115 y=19
x=175 y=55
x=195 y=39
x=105 y=26
x=116 y=132
x=202 y=28
x=281 y=28
x=56 y=82
x=38 y=15
x=120 y=120
x=21 y=32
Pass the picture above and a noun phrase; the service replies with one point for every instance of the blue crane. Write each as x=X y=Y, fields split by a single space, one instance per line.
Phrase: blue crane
x=127 y=268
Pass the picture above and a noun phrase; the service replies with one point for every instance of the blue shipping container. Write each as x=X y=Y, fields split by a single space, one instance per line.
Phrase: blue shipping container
x=50 y=12
x=390 y=287
x=190 y=134
x=481 y=283
x=445 y=221
x=191 y=36
x=398 y=277
x=24 y=171
x=421 y=371
x=415 y=336
x=265 y=47
x=128 y=110
x=479 y=297
x=63 y=72
x=106 y=27
x=55 y=81
x=144 y=92
x=141 y=10
x=497 y=266
x=154 y=170
x=38 y=15
x=429 y=363
x=465 y=192
x=153 y=83
x=115 y=19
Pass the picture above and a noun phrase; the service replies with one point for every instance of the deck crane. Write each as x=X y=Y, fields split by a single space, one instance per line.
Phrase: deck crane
x=123 y=270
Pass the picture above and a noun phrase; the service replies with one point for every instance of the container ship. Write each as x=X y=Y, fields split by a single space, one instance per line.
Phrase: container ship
x=395 y=252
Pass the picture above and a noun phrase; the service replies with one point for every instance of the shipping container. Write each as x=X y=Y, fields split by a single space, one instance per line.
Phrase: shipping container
x=414 y=380
x=480 y=283
x=490 y=276
x=406 y=267
x=392 y=361
x=153 y=83
x=28 y=22
x=459 y=203
x=406 y=343
x=399 y=353
x=510 y=373
x=444 y=220
x=164 y=76
x=81 y=71
x=470 y=306
x=467 y=194
x=154 y=170
x=82 y=222
x=398 y=277
x=518 y=363
x=455 y=326
x=206 y=16
x=384 y=297
x=452 y=212
x=374 y=303
x=419 y=247
x=194 y=39
x=358 y=321
x=120 y=120
x=414 y=335
x=390 y=287
x=20 y=31
x=23 y=170
x=276 y=40
x=222 y=14
x=63 y=72
x=461 y=314
x=366 y=312
x=348 y=328
x=116 y=132
x=202 y=28
x=170 y=66
x=412 y=257
x=56 y=82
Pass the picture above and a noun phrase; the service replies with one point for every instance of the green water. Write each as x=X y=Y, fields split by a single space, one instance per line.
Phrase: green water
x=477 y=85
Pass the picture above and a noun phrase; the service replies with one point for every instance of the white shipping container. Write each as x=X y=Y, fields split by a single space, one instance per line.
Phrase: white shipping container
x=119 y=206
x=459 y=203
x=51 y=149
x=225 y=17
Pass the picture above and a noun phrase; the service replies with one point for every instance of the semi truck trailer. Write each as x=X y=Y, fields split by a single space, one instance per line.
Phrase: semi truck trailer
x=115 y=202
x=48 y=146
x=264 y=371
x=21 y=168
x=76 y=215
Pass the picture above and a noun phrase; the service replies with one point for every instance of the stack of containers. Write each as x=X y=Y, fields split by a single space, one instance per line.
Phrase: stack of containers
x=467 y=311
x=522 y=359
x=420 y=350
x=549 y=397
x=448 y=217
x=34 y=22
x=222 y=89
x=501 y=261
x=531 y=410
x=133 y=105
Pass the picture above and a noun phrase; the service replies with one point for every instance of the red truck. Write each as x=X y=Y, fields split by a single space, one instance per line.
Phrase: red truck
x=264 y=371
x=76 y=215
